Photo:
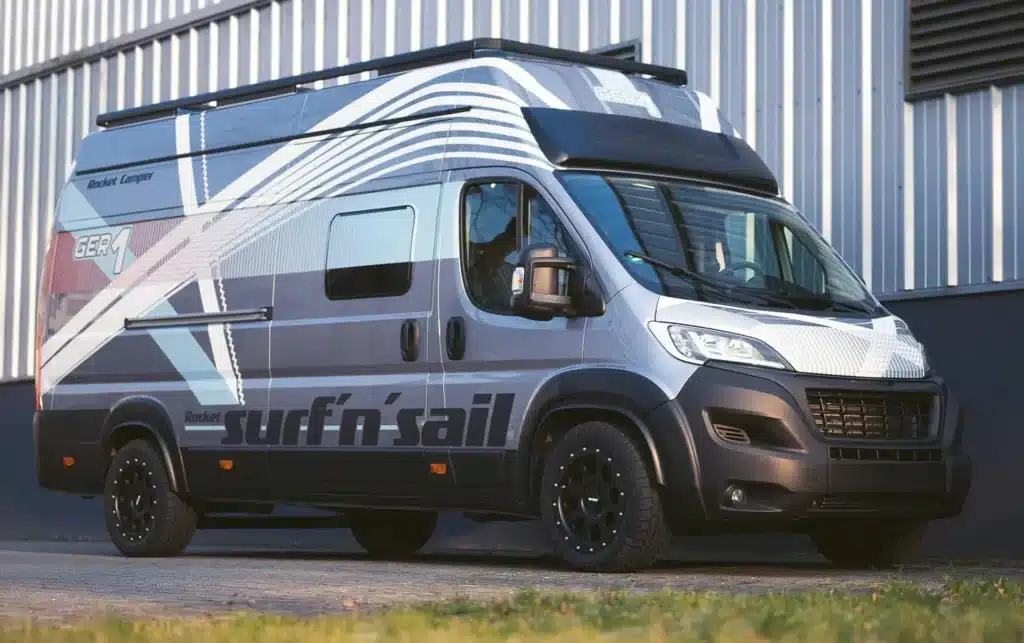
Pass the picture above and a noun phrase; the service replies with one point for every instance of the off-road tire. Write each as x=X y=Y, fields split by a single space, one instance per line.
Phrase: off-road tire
x=866 y=544
x=171 y=522
x=639 y=533
x=392 y=534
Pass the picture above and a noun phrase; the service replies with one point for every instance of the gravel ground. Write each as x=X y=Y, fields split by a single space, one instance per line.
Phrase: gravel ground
x=67 y=581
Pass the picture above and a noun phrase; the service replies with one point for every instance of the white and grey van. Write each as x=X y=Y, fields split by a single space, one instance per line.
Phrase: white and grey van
x=496 y=278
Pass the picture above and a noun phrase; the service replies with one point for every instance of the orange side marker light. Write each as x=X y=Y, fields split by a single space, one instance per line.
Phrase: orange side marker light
x=438 y=468
x=227 y=465
x=68 y=461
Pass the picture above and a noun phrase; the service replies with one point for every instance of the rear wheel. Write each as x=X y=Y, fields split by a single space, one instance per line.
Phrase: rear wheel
x=389 y=534
x=144 y=517
x=867 y=544
x=599 y=506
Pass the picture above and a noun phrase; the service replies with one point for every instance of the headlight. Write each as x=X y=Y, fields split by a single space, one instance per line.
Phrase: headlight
x=903 y=331
x=698 y=345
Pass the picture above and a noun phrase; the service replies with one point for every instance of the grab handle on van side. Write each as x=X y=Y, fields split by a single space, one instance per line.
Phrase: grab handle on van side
x=455 y=338
x=410 y=340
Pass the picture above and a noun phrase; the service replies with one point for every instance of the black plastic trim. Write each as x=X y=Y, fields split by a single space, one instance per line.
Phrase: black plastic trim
x=149 y=415
x=621 y=392
x=69 y=433
x=190 y=319
x=594 y=140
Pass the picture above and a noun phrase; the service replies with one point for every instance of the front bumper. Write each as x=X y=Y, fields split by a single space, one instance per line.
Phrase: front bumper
x=790 y=473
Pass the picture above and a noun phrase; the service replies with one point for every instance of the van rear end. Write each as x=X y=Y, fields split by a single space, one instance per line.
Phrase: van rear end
x=68 y=456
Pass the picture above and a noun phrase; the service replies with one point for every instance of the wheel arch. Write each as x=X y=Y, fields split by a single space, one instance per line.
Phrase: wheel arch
x=569 y=398
x=145 y=418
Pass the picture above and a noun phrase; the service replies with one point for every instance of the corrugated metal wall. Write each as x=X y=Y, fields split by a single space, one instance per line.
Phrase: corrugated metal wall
x=914 y=196
x=35 y=31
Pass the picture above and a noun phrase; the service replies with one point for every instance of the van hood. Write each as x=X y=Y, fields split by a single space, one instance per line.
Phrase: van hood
x=843 y=346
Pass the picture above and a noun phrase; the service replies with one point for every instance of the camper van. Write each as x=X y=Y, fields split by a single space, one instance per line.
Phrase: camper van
x=500 y=279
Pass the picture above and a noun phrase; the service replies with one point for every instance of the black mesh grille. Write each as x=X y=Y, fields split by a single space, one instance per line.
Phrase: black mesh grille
x=863 y=454
x=871 y=416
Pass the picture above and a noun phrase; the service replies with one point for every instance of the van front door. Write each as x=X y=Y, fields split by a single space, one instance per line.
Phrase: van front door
x=493 y=360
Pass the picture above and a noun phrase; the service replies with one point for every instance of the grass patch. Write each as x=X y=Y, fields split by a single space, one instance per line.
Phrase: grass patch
x=960 y=612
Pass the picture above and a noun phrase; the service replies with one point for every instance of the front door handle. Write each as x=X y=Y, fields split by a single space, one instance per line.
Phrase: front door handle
x=455 y=338
x=410 y=340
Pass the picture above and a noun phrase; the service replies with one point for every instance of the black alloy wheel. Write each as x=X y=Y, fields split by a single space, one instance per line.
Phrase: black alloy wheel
x=590 y=500
x=143 y=514
x=599 y=504
x=134 y=499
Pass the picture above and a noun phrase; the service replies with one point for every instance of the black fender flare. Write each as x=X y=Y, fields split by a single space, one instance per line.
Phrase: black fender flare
x=617 y=390
x=148 y=414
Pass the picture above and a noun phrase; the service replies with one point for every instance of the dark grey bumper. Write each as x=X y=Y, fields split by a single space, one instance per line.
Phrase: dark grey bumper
x=790 y=473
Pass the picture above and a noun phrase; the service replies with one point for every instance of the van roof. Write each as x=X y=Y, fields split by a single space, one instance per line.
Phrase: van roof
x=531 y=104
x=467 y=49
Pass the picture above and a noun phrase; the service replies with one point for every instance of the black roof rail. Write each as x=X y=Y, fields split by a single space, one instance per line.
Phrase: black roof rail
x=390 y=65
x=626 y=50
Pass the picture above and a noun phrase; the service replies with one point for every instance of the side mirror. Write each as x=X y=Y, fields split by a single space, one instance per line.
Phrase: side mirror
x=536 y=291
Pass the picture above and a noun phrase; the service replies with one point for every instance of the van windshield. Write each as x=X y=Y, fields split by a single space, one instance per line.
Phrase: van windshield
x=693 y=242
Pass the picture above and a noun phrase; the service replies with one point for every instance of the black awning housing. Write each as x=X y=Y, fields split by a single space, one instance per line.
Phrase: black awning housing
x=593 y=140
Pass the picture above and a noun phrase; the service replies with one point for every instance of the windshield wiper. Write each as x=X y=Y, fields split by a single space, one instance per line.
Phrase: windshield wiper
x=852 y=306
x=713 y=284
x=798 y=299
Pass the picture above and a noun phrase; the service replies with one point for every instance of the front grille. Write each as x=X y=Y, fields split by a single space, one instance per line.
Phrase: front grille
x=862 y=454
x=899 y=503
x=871 y=415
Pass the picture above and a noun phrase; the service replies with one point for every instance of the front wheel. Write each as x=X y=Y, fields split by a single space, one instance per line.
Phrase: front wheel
x=867 y=544
x=389 y=534
x=144 y=516
x=599 y=506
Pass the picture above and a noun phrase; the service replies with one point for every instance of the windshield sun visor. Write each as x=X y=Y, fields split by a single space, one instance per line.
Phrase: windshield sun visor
x=591 y=140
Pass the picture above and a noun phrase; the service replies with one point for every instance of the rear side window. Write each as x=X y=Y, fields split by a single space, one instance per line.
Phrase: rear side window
x=369 y=254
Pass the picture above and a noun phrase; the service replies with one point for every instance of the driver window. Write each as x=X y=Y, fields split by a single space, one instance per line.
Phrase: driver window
x=493 y=238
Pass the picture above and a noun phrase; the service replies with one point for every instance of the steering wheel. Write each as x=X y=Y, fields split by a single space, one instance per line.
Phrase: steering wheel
x=743 y=265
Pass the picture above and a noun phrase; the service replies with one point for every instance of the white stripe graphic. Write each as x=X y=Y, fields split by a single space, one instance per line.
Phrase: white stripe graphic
x=105 y=323
x=952 y=194
x=909 y=245
x=207 y=293
x=997 y=183
x=709 y=119
x=318 y=162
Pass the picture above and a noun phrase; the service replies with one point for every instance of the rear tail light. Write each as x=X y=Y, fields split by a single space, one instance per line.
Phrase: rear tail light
x=42 y=302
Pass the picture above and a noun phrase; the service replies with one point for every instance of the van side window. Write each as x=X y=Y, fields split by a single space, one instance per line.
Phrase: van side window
x=369 y=254
x=496 y=218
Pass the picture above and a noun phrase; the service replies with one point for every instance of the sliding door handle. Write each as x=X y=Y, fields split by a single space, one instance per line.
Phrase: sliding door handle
x=410 y=340
x=455 y=338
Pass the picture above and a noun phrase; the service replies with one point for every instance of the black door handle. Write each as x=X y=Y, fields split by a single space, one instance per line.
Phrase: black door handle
x=455 y=338
x=410 y=340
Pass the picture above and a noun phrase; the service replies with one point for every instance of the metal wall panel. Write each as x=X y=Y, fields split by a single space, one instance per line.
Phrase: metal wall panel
x=35 y=31
x=914 y=196
x=1012 y=184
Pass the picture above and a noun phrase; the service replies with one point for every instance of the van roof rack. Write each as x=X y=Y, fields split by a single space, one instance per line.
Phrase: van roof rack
x=389 y=65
